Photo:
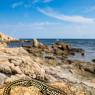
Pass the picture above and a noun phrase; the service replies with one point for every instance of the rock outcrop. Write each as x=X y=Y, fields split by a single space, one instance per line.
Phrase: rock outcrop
x=37 y=44
x=47 y=65
x=4 y=37
x=3 y=44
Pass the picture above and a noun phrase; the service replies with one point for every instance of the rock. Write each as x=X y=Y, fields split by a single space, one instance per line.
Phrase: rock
x=5 y=68
x=78 y=50
x=68 y=87
x=50 y=78
x=15 y=69
x=63 y=46
x=93 y=60
x=69 y=62
x=74 y=89
x=82 y=53
x=4 y=37
x=48 y=56
x=14 y=51
x=72 y=53
x=2 y=78
x=64 y=49
x=18 y=90
x=3 y=44
x=14 y=77
x=16 y=63
x=35 y=43
x=26 y=91
x=38 y=44
x=39 y=60
x=90 y=69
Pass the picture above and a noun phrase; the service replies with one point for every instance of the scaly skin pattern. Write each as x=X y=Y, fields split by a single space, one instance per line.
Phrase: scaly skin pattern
x=43 y=87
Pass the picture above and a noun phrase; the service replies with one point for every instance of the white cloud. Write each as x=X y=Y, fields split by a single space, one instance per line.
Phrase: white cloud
x=33 y=30
x=21 y=3
x=76 y=19
x=49 y=30
x=16 y=4
x=30 y=26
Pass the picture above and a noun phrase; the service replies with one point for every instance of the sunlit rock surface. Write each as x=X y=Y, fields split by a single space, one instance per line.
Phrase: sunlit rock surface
x=49 y=64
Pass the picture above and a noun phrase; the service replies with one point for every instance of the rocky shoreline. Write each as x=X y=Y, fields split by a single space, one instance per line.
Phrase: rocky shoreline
x=49 y=64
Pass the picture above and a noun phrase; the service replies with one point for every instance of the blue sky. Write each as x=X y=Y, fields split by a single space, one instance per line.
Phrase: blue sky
x=48 y=18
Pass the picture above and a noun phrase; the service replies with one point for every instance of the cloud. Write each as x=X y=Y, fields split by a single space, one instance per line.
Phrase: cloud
x=33 y=30
x=49 y=30
x=16 y=4
x=75 y=19
x=21 y=3
x=36 y=25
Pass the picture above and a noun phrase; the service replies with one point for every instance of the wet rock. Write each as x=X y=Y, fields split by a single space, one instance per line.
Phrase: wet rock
x=62 y=45
x=48 y=56
x=82 y=53
x=69 y=61
x=72 y=53
x=78 y=50
x=93 y=60
x=61 y=48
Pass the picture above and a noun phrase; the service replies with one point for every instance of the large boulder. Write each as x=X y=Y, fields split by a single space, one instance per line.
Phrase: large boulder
x=62 y=45
x=15 y=61
x=38 y=44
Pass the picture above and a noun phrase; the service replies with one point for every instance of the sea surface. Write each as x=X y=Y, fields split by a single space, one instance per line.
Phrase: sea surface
x=87 y=44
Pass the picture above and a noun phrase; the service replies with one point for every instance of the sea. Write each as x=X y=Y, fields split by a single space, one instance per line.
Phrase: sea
x=87 y=44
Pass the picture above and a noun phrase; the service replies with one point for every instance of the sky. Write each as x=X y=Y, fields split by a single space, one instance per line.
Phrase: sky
x=48 y=18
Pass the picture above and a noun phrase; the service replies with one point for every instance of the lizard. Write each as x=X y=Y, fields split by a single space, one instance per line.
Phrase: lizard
x=44 y=88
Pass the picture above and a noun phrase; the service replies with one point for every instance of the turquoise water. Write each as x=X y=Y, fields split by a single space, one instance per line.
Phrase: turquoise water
x=87 y=44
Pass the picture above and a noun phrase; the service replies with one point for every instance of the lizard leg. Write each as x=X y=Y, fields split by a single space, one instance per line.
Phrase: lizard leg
x=43 y=92
x=8 y=92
